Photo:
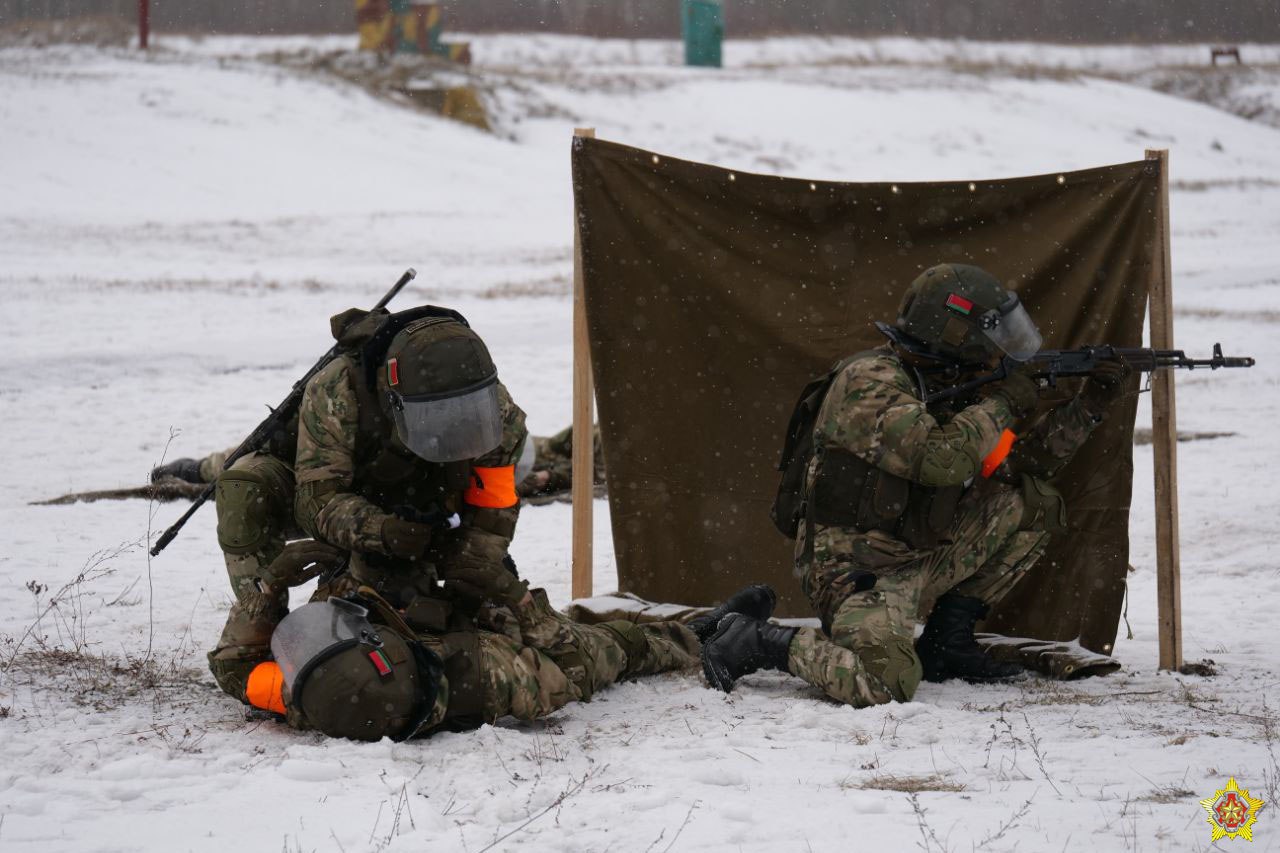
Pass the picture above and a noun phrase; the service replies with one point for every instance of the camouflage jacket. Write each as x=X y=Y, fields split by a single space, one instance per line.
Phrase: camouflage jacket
x=352 y=472
x=555 y=457
x=874 y=411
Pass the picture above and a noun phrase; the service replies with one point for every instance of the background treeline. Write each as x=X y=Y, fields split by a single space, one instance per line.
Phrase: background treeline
x=1045 y=20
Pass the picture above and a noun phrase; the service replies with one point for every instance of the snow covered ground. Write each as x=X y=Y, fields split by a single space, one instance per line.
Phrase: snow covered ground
x=175 y=232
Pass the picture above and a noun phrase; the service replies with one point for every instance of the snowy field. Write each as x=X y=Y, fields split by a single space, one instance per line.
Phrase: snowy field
x=174 y=234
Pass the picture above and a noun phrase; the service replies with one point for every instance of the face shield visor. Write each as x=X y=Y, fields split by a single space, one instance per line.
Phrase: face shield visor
x=528 y=458
x=1011 y=328
x=316 y=632
x=449 y=427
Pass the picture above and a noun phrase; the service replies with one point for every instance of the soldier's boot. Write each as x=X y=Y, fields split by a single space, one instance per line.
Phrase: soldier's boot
x=187 y=470
x=756 y=601
x=947 y=648
x=742 y=645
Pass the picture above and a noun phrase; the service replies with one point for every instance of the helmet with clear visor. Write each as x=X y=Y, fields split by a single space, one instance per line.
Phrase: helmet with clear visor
x=315 y=631
x=348 y=679
x=442 y=390
x=962 y=313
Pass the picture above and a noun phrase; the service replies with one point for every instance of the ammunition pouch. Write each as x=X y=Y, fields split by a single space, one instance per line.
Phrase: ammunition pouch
x=1044 y=507
x=428 y=615
x=929 y=514
x=399 y=581
x=850 y=492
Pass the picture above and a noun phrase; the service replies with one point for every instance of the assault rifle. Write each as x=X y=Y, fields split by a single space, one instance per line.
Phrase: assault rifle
x=278 y=418
x=1051 y=364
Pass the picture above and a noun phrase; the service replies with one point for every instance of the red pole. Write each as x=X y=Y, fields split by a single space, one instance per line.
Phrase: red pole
x=144 y=22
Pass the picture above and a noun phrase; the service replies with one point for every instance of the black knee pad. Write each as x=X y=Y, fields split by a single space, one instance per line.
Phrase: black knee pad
x=244 y=511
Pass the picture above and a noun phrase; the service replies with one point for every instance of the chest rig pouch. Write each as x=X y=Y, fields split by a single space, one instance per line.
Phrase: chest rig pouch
x=850 y=492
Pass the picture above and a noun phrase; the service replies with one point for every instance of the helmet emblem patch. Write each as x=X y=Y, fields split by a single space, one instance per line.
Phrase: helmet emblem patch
x=959 y=304
x=380 y=662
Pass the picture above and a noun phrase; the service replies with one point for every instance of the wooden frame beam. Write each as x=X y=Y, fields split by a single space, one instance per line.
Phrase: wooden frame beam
x=583 y=488
x=1164 y=430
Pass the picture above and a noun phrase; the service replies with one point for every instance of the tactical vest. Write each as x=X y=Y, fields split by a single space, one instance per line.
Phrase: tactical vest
x=836 y=488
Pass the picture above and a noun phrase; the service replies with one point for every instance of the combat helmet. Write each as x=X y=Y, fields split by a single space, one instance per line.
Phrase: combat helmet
x=349 y=679
x=441 y=389
x=963 y=314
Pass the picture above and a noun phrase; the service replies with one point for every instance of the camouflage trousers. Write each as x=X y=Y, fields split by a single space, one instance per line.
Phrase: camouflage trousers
x=572 y=661
x=869 y=657
x=255 y=517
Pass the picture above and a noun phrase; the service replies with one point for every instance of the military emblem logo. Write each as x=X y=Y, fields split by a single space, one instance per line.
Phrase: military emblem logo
x=1232 y=812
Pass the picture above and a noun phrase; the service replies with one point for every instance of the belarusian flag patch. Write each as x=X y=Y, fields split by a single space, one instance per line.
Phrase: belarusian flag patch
x=393 y=372
x=959 y=304
x=380 y=662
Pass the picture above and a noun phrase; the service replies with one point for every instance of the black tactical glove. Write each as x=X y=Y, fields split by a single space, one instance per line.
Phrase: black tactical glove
x=1104 y=386
x=405 y=539
x=187 y=470
x=1019 y=391
x=474 y=569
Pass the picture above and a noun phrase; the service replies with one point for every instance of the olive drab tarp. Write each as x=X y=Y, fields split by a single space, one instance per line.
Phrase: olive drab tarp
x=712 y=297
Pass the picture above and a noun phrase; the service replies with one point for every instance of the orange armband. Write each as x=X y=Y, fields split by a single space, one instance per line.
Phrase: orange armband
x=999 y=454
x=265 y=689
x=492 y=488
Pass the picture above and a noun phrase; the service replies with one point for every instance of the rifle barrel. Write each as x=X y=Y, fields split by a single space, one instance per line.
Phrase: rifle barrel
x=172 y=533
x=409 y=275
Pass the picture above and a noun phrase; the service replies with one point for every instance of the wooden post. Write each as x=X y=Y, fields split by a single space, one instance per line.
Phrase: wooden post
x=1164 y=430
x=144 y=23
x=583 y=418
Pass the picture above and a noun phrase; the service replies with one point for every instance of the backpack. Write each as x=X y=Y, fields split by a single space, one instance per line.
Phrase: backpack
x=797 y=450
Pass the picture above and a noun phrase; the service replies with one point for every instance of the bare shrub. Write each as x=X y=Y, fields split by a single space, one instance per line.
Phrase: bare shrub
x=911 y=784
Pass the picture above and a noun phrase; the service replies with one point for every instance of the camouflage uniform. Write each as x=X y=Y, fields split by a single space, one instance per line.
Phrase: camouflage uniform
x=554 y=456
x=553 y=459
x=544 y=662
x=869 y=584
x=211 y=465
x=350 y=474
x=556 y=661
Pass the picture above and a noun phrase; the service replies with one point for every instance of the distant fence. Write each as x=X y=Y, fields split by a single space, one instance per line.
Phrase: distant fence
x=1040 y=20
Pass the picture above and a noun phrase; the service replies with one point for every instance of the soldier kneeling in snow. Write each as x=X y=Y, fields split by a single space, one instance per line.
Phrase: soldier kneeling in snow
x=402 y=466
x=913 y=490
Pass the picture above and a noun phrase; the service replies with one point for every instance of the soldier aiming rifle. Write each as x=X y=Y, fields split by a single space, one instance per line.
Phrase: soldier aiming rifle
x=904 y=481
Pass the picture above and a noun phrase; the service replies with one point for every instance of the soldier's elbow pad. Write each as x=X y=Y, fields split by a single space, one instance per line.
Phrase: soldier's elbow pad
x=950 y=458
